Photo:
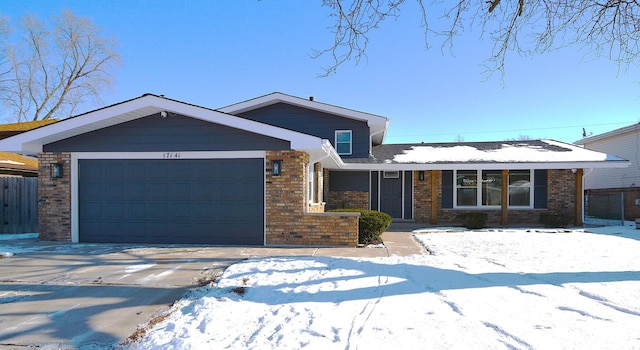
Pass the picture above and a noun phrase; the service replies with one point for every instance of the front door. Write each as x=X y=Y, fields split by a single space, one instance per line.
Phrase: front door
x=391 y=193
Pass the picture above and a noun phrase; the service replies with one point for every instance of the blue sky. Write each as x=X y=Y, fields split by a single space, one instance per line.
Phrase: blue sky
x=215 y=53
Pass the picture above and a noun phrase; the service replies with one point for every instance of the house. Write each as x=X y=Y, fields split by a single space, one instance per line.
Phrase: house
x=12 y=164
x=609 y=185
x=264 y=171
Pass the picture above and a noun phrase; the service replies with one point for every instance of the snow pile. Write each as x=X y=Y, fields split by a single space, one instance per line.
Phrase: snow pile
x=508 y=153
x=482 y=290
x=7 y=251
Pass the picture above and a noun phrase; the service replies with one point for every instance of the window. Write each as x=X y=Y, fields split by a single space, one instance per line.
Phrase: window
x=519 y=188
x=467 y=188
x=491 y=187
x=483 y=188
x=343 y=141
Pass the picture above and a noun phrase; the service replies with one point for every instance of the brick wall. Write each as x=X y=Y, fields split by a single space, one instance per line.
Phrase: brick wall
x=343 y=199
x=54 y=198
x=560 y=198
x=287 y=223
x=347 y=199
x=422 y=196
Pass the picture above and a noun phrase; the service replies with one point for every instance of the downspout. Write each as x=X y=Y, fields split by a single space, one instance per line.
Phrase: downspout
x=584 y=175
x=371 y=140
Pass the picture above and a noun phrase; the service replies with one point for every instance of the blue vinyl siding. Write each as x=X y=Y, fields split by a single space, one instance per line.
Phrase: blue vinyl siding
x=314 y=123
x=373 y=194
x=349 y=181
x=540 y=189
x=173 y=133
x=447 y=189
x=408 y=195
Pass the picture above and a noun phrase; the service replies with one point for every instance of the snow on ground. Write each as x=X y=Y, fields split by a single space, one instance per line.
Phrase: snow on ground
x=495 y=289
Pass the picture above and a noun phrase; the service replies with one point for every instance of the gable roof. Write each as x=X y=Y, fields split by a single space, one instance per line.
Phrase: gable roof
x=31 y=142
x=530 y=154
x=609 y=134
x=377 y=124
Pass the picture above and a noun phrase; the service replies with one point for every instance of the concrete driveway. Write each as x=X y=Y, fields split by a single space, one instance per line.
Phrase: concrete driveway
x=94 y=296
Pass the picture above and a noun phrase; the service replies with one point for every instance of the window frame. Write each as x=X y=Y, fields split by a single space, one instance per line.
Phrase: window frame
x=350 y=132
x=480 y=194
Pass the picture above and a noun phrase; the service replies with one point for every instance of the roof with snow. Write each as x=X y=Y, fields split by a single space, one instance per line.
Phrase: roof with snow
x=547 y=154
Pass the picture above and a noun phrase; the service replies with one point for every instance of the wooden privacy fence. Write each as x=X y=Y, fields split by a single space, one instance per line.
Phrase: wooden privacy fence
x=18 y=204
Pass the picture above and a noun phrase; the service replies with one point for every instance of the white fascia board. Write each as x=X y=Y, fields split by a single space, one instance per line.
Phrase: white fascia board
x=328 y=154
x=486 y=166
x=371 y=119
x=171 y=155
x=31 y=142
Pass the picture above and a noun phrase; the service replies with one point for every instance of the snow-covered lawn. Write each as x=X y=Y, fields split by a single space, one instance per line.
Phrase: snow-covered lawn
x=512 y=289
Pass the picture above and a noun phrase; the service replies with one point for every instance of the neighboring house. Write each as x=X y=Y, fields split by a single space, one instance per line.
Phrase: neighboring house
x=610 y=184
x=12 y=164
x=263 y=171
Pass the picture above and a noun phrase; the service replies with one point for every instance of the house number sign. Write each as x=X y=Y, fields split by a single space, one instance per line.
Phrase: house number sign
x=171 y=155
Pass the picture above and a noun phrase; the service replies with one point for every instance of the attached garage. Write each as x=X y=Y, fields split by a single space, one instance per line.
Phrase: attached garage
x=187 y=201
x=153 y=170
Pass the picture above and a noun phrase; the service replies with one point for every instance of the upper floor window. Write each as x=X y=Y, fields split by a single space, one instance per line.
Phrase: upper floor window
x=343 y=142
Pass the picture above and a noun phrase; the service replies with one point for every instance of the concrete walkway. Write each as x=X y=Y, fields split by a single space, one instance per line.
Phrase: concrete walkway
x=90 y=296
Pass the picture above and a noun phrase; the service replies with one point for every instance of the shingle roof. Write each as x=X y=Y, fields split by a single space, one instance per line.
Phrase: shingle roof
x=529 y=151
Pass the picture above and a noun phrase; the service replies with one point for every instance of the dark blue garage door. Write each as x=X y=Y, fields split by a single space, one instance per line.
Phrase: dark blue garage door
x=203 y=201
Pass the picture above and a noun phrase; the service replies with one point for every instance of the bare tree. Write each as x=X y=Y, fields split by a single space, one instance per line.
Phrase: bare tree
x=609 y=28
x=4 y=67
x=55 y=69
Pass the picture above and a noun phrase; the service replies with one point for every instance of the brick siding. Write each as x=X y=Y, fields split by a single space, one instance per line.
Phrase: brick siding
x=561 y=188
x=54 y=198
x=287 y=221
x=348 y=199
x=560 y=198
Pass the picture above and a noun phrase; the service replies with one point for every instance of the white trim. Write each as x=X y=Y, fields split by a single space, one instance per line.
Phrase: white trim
x=379 y=187
x=31 y=142
x=264 y=200
x=378 y=124
x=277 y=97
x=170 y=155
x=402 y=196
x=486 y=166
x=479 y=193
x=76 y=156
x=388 y=174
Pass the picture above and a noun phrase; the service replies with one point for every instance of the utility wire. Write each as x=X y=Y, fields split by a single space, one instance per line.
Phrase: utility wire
x=513 y=130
